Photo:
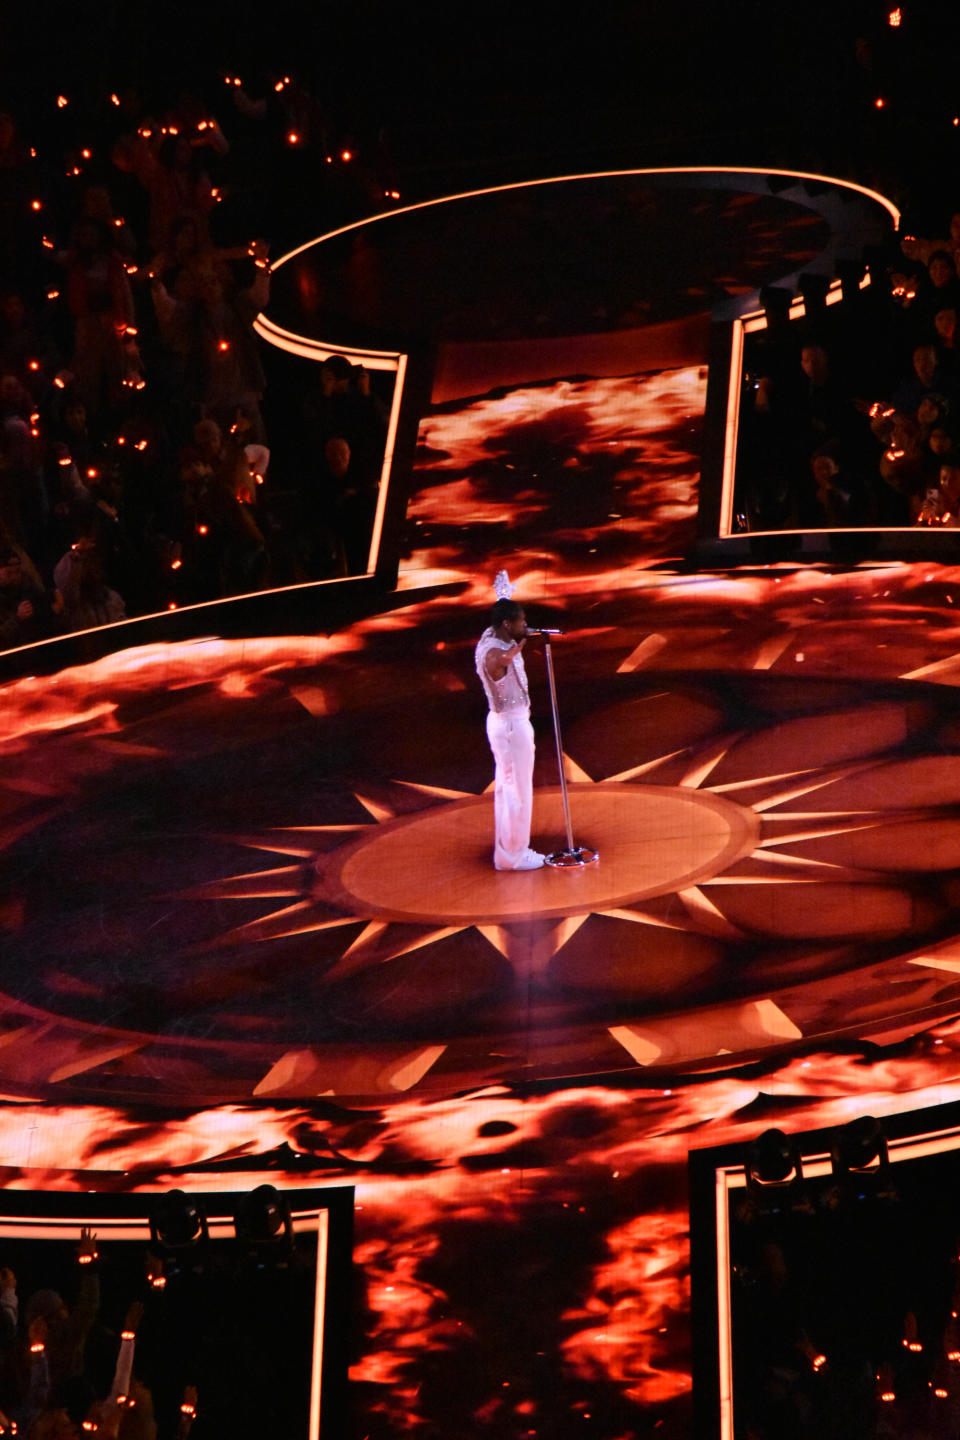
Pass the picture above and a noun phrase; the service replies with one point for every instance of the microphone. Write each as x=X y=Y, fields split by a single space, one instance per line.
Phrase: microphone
x=532 y=631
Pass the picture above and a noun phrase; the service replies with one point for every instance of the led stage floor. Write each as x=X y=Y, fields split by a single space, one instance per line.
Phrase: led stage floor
x=250 y=929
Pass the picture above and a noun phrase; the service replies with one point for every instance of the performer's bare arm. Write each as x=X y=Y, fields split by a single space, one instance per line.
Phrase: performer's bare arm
x=497 y=662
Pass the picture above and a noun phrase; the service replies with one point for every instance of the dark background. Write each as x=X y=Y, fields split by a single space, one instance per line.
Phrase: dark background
x=499 y=90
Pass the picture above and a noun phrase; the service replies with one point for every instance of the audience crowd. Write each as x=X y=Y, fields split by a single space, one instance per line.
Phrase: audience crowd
x=212 y=1343
x=135 y=459
x=852 y=415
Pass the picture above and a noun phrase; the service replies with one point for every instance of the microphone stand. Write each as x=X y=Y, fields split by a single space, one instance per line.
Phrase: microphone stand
x=574 y=855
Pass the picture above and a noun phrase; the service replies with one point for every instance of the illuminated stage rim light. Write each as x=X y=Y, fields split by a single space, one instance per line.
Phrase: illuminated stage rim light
x=320 y=350
x=800 y=176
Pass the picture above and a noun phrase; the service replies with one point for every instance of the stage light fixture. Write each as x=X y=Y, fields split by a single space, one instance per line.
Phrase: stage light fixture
x=263 y=1217
x=859 y=1148
x=774 y=1173
x=177 y=1222
x=773 y=1159
x=860 y=1162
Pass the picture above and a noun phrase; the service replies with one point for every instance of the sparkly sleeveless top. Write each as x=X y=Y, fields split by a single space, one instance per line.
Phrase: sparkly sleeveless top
x=511 y=692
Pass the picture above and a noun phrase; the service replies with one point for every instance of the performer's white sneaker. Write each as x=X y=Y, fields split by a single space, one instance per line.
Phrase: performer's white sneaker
x=529 y=860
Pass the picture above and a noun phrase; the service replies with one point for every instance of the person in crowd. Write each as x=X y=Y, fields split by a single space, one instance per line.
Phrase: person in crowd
x=938 y=287
x=844 y=500
x=211 y=336
x=171 y=170
x=26 y=615
x=101 y=304
x=940 y=505
x=22 y=499
x=87 y=600
x=901 y=472
x=948 y=343
x=926 y=380
x=21 y=346
x=222 y=545
x=97 y=205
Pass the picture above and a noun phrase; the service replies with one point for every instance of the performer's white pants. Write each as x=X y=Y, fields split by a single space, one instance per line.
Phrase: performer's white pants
x=511 y=740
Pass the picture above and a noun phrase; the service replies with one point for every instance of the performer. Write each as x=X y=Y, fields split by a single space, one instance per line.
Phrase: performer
x=499 y=661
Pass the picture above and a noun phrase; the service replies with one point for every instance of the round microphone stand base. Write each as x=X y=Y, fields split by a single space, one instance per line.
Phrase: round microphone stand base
x=572 y=859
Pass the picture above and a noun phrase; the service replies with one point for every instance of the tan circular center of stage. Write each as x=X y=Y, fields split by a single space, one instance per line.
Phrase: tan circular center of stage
x=435 y=866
